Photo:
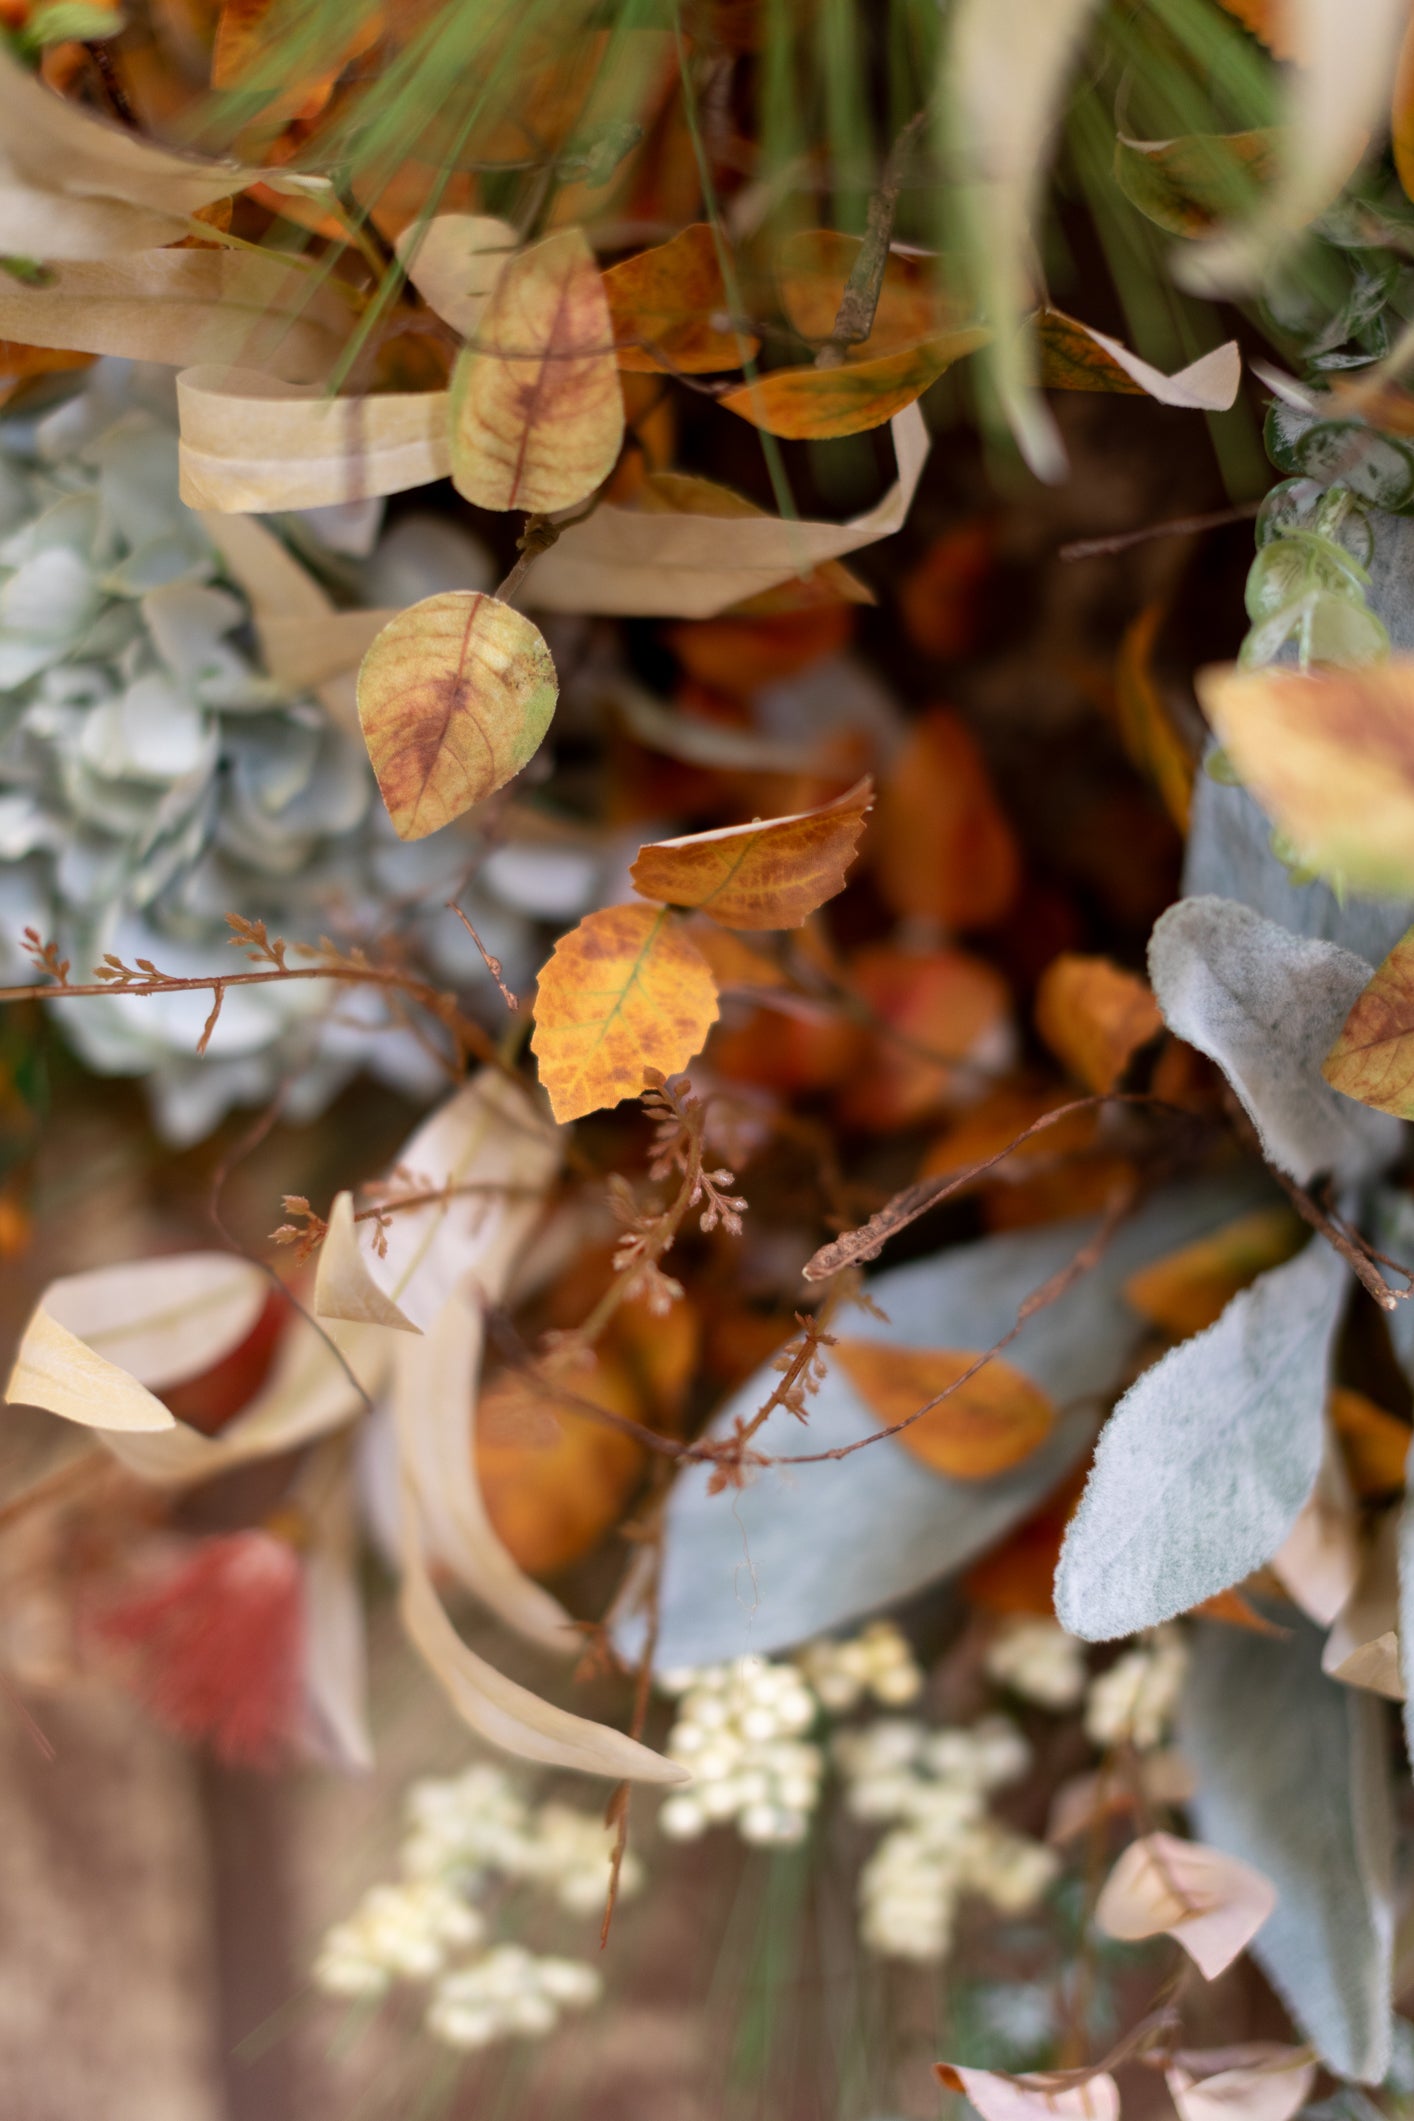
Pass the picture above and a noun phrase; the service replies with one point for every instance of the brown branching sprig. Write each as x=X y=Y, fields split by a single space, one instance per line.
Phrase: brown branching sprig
x=270 y=959
x=678 y=1146
x=305 y=1230
x=400 y=1191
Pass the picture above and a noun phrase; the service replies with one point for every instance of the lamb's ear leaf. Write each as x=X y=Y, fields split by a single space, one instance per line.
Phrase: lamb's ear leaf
x=1207 y=1460
x=1293 y=1778
x=802 y=1549
x=1267 y=1006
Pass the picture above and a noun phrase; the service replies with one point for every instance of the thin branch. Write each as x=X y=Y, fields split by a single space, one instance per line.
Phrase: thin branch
x=493 y=964
x=1359 y=1261
x=854 y=319
x=1180 y=527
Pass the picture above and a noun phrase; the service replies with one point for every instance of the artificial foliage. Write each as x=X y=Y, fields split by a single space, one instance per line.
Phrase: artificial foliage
x=758 y=1266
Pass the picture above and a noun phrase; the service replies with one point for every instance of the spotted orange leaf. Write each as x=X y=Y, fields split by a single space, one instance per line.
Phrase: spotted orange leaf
x=669 y=306
x=984 y=1426
x=453 y=697
x=1094 y=1016
x=770 y=874
x=819 y=404
x=537 y=412
x=1373 y=1059
x=625 y=991
x=1188 y=1290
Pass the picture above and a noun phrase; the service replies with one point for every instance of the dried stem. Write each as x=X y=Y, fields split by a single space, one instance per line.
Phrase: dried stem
x=1180 y=527
x=854 y=319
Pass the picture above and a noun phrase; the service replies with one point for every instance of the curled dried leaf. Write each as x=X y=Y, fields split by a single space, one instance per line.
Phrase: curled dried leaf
x=1210 y=1903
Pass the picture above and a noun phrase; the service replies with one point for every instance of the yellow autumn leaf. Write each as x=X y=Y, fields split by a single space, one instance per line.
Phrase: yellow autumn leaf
x=762 y=875
x=1094 y=1016
x=1374 y=1444
x=1146 y=728
x=537 y=412
x=1329 y=755
x=819 y=404
x=983 y=1427
x=454 y=696
x=1189 y=1289
x=624 y=992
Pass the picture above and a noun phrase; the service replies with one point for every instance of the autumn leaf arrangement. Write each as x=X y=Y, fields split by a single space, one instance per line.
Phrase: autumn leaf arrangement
x=431 y=447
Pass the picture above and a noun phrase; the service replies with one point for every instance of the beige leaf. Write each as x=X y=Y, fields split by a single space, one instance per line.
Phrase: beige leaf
x=1257 y=2082
x=1334 y=99
x=487 y=1157
x=251 y=443
x=1009 y=65
x=435 y=1388
x=73 y=185
x=454 y=262
x=1210 y=1903
x=998 y=2097
x=537 y=411
x=454 y=696
x=1362 y=1649
x=335 y=1646
x=183 y=306
x=305 y=643
x=55 y=1370
x=498 y=1710
x=648 y=563
x=1319 y=1561
x=1077 y=357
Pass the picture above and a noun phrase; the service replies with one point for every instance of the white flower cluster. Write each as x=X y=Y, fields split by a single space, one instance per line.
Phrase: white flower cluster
x=478 y=1823
x=935 y=1784
x=1038 y=1660
x=463 y=1833
x=1134 y=1701
x=508 y=1993
x=741 y=1728
x=877 y=1663
x=396 y=1933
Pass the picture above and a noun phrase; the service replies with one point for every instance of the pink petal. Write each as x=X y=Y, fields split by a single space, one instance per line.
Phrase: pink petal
x=1210 y=1903
x=1000 y=2098
x=1263 y=2082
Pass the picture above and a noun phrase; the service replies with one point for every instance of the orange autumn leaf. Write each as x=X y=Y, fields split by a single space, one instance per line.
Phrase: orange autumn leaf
x=1188 y=1290
x=624 y=992
x=820 y=404
x=18 y=363
x=554 y=1480
x=996 y=1121
x=1375 y=1445
x=242 y=42
x=987 y=1424
x=1089 y=1186
x=669 y=308
x=454 y=696
x=1019 y=1575
x=770 y=874
x=734 y=963
x=812 y=272
x=1094 y=1017
x=943 y=1026
x=737 y=656
x=1401 y=118
x=537 y=412
x=1146 y=728
x=942 y=847
x=939 y=599
x=1268 y=20
x=1235 y=1611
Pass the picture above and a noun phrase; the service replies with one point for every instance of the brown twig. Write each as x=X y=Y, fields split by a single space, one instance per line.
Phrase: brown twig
x=1180 y=527
x=113 y=89
x=493 y=964
x=1361 y=1264
x=854 y=319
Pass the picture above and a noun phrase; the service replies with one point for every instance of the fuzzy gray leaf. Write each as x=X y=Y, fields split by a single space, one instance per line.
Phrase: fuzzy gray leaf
x=1230 y=856
x=1293 y=1777
x=1267 y=1006
x=1205 y=1463
x=809 y=1547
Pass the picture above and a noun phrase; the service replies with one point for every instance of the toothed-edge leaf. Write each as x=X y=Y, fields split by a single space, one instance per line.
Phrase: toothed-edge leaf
x=1267 y=1006
x=1206 y=1462
x=1293 y=1778
x=803 y=1548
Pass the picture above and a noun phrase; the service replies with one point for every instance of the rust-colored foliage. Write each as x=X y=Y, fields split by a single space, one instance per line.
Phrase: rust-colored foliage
x=625 y=991
x=763 y=875
x=984 y=1424
x=1095 y=1016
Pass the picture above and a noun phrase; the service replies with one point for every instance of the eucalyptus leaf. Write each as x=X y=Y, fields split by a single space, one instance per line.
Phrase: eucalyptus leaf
x=804 y=1548
x=1293 y=1778
x=1267 y=1006
x=1207 y=1460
